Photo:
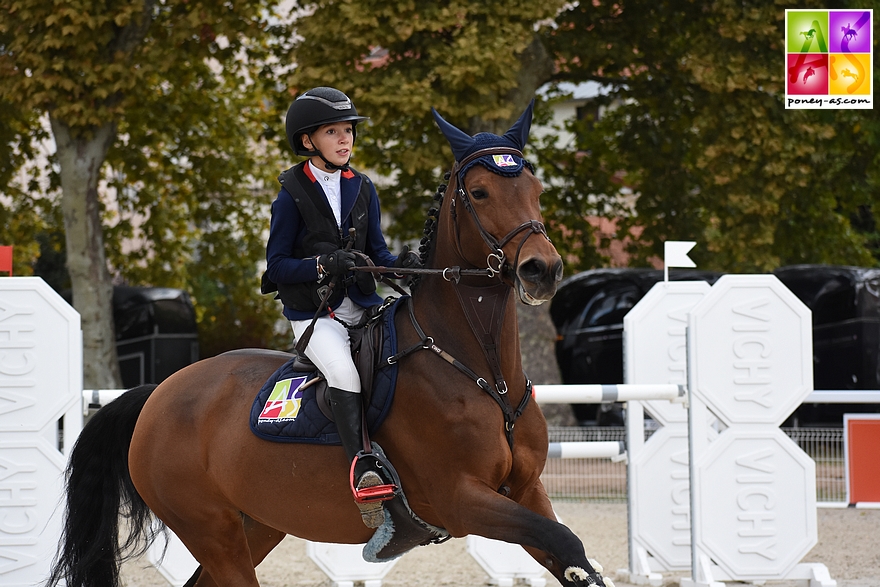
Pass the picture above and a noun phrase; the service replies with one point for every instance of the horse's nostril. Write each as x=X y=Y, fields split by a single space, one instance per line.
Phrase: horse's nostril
x=558 y=270
x=537 y=270
x=532 y=270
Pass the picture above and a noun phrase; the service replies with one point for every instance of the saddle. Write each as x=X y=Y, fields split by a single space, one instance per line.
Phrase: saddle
x=373 y=342
x=367 y=341
x=292 y=405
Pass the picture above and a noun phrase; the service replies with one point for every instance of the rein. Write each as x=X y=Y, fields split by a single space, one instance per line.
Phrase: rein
x=484 y=307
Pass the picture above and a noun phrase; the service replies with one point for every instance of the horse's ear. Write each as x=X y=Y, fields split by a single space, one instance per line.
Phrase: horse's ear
x=460 y=141
x=519 y=132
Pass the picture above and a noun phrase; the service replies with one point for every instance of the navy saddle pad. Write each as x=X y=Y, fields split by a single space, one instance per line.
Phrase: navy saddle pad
x=286 y=409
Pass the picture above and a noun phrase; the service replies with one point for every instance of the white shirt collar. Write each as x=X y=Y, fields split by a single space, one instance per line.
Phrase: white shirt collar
x=330 y=184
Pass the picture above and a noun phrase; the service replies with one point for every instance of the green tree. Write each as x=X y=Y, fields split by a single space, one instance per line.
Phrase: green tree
x=20 y=218
x=478 y=62
x=701 y=136
x=151 y=95
x=694 y=143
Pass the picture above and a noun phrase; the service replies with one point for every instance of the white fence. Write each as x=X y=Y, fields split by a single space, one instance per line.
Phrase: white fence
x=25 y=320
x=604 y=479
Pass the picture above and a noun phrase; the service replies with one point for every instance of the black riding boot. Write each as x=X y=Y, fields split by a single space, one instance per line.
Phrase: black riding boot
x=347 y=407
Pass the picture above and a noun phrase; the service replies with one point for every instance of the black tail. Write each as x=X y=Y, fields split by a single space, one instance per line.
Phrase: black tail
x=99 y=489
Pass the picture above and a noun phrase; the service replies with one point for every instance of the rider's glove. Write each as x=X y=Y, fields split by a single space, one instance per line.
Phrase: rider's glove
x=408 y=259
x=338 y=262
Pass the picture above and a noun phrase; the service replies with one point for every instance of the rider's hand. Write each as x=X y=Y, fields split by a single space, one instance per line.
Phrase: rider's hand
x=338 y=262
x=408 y=259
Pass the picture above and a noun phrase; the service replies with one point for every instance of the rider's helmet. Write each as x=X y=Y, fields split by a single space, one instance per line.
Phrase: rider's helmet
x=315 y=108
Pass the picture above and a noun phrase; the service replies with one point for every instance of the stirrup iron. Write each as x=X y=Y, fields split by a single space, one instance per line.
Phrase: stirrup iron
x=370 y=490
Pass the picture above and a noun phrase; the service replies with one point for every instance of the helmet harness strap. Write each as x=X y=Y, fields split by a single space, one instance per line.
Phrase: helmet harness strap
x=330 y=166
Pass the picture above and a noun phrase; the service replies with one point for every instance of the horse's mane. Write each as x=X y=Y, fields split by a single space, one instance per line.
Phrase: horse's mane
x=427 y=242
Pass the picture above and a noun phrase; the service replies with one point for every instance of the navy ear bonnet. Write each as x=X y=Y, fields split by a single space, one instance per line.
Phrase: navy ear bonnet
x=507 y=165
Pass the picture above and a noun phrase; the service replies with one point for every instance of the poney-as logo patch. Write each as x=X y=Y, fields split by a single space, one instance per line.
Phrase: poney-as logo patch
x=829 y=58
x=284 y=402
x=504 y=160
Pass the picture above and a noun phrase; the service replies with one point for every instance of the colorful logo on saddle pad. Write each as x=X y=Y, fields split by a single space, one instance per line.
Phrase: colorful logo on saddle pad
x=284 y=402
x=504 y=160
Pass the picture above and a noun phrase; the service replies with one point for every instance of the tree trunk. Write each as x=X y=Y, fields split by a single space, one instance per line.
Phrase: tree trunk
x=81 y=158
x=537 y=340
x=536 y=331
x=537 y=68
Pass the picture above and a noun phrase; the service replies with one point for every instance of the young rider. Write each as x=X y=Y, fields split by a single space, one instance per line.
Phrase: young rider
x=320 y=200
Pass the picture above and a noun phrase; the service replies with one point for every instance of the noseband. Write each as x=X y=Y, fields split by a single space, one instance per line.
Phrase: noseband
x=496 y=254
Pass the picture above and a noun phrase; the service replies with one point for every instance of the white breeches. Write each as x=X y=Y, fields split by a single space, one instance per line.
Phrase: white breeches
x=330 y=348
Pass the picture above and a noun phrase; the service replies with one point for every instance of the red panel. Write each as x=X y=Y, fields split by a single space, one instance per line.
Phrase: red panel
x=863 y=458
x=6 y=259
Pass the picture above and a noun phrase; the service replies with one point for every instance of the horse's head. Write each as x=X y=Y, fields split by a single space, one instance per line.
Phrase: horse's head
x=503 y=229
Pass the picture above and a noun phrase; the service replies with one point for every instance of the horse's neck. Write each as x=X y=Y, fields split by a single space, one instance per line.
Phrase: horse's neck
x=438 y=307
x=442 y=318
x=441 y=314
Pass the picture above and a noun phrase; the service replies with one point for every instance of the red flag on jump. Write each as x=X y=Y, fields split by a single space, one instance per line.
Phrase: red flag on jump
x=6 y=258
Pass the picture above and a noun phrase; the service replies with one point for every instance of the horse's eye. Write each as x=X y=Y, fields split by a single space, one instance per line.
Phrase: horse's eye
x=479 y=194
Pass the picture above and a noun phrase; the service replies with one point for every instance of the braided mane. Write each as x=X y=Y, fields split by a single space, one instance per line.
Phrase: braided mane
x=427 y=242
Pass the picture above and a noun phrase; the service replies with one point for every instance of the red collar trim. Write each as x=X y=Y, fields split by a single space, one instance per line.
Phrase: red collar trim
x=308 y=170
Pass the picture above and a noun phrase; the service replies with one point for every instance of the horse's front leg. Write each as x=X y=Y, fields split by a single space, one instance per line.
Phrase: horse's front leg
x=484 y=512
x=536 y=499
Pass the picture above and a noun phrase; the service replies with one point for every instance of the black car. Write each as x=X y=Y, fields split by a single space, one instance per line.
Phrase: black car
x=588 y=312
x=845 y=302
x=589 y=307
x=156 y=332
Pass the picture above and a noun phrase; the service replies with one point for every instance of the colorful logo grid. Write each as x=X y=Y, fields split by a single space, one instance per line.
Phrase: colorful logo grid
x=284 y=402
x=829 y=58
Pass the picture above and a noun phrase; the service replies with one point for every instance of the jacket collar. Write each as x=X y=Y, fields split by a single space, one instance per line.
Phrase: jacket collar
x=347 y=174
x=349 y=186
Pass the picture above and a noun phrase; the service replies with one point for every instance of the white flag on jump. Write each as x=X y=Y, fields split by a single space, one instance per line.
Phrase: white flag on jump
x=675 y=254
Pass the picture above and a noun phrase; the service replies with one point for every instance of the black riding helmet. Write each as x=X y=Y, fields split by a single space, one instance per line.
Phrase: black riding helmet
x=314 y=108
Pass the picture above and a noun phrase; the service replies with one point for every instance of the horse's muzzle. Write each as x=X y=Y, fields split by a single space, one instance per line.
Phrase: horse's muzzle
x=536 y=279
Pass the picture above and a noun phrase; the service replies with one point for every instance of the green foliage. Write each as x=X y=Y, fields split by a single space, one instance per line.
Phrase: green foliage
x=694 y=142
x=701 y=134
x=190 y=172
x=399 y=59
x=21 y=217
x=88 y=62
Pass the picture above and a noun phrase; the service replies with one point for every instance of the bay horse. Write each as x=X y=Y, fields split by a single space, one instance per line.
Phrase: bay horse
x=184 y=452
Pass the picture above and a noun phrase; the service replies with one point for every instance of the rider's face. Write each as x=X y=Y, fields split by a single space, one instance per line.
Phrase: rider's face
x=334 y=141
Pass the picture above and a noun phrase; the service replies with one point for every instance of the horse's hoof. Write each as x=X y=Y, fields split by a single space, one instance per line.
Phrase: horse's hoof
x=579 y=576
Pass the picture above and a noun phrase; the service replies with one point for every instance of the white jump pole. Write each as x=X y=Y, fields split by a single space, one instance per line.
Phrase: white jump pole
x=560 y=394
x=603 y=449
x=597 y=394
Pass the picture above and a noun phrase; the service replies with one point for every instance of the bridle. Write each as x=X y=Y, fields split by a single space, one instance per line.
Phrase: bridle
x=496 y=254
x=496 y=260
x=485 y=319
